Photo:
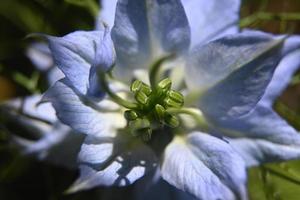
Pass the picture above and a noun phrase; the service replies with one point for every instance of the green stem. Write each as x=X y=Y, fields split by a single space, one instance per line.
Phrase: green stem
x=198 y=118
x=269 y=16
x=117 y=99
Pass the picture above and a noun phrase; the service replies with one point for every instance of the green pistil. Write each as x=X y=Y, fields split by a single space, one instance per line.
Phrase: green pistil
x=151 y=110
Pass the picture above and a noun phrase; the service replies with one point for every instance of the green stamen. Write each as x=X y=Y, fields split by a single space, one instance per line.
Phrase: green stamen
x=154 y=107
x=117 y=99
x=154 y=74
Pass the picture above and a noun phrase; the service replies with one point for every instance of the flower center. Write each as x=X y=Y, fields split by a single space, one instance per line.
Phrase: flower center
x=155 y=106
x=152 y=107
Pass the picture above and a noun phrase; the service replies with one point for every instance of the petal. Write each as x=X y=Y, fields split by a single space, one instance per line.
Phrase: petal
x=40 y=56
x=75 y=53
x=80 y=113
x=23 y=117
x=59 y=146
x=269 y=138
x=282 y=76
x=28 y=108
x=205 y=167
x=108 y=11
x=232 y=73
x=146 y=30
x=258 y=151
x=211 y=19
x=54 y=74
x=49 y=141
x=107 y=161
x=104 y=60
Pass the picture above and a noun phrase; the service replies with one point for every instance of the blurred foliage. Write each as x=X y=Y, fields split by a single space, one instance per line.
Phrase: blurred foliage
x=18 y=18
x=24 y=178
x=276 y=181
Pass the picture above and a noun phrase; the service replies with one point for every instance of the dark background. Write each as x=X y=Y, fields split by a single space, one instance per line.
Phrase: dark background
x=25 y=178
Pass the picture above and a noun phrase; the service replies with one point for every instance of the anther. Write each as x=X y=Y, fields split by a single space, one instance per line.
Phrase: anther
x=176 y=96
x=160 y=112
x=165 y=84
x=141 y=97
x=130 y=115
x=170 y=103
x=171 y=121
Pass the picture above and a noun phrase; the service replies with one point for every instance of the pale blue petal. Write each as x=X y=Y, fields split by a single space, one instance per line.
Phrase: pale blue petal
x=145 y=30
x=51 y=141
x=40 y=55
x=82 y=114
x=259 y=151
x=206 y=167
x=117 y=161
x=28 y=107
x=108 y=11
x=59 y=146
x=54 y=74
x=263 y=136
x=232 y=73
x=291 y=43
x=75 y=53
x=24 y=113
x=282 y=76
x=211 y=19
x=104 y=60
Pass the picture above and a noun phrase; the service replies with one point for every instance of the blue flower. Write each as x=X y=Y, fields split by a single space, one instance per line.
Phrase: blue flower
x=42 y=136
x=165 y=92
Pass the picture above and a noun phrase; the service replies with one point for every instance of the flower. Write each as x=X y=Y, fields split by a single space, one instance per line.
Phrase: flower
x=200 y=142
x=43 y=136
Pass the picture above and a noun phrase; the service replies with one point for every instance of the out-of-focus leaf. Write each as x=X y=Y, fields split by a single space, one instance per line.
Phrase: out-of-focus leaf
x=288 y=114
x=90 y=5
x=24 y=16
x=275 y=181
x=31 y=83
x=295 y=80
x=256 y=184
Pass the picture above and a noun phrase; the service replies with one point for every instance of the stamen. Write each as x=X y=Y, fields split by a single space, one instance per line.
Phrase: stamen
x=151 y=107
x=117 y=99
x=201 y=121
x=154 y=74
